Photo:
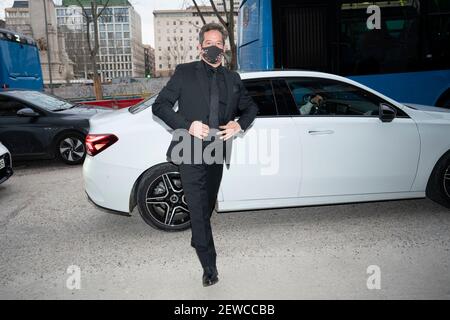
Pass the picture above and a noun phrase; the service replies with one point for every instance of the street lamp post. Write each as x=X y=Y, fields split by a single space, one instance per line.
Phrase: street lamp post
x=48 y=47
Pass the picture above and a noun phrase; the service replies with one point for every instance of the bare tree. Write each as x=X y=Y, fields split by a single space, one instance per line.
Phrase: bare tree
x=92 y=15
x=177 y=53
x=75 y=41
x=228 y=24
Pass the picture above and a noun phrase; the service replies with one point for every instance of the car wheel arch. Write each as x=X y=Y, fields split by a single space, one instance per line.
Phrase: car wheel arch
x=133 y=193
x=430 y=190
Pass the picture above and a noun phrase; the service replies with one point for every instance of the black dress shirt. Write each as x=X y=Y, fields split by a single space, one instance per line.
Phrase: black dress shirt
x=220 y=82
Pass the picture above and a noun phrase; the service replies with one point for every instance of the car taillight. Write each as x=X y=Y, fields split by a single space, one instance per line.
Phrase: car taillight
x=96 y=143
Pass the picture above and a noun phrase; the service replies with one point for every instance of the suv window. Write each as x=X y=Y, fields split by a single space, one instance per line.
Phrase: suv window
x=262 y=93
x=317 y=96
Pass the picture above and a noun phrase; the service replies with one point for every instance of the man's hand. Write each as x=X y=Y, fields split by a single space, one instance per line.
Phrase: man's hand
x=199 y=130
x=230 y=129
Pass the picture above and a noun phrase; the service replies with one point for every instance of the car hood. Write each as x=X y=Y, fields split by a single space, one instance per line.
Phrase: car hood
x=426 y=108
x=436 y=112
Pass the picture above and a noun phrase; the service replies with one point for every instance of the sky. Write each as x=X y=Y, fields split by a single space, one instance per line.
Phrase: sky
x=143 y=7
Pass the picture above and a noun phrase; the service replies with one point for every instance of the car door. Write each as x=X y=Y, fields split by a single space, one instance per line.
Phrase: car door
x=265 y=161
x=346 y=148
x=20 y=134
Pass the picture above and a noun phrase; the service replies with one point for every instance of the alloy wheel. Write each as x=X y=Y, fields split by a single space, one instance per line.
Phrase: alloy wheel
x=165 y=200
x=72 y=149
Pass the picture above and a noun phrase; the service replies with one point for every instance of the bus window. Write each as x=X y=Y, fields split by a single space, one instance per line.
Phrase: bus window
x=392 y=48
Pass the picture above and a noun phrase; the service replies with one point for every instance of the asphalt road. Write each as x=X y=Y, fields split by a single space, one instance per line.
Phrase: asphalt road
x=47 y=225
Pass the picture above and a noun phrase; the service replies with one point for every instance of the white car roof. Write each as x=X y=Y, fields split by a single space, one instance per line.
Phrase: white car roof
x=288 y=73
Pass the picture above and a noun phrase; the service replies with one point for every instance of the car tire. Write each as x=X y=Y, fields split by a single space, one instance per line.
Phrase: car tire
x=70 y=148
x=160 y=199
x=438 y=187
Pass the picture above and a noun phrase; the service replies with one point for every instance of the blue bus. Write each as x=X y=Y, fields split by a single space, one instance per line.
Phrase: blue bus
x=20 y=65
x=406 y=56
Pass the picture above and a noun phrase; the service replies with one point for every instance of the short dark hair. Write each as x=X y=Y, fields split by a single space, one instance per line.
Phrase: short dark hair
x=212 y=26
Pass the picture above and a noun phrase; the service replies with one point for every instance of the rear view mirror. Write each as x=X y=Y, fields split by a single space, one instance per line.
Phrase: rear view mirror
x=386 y=112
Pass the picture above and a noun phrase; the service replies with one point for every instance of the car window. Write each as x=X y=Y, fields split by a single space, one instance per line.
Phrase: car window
x=326 y=97
x=9 y=106
x=42 y=100
x=285 y=102
x=262 y=93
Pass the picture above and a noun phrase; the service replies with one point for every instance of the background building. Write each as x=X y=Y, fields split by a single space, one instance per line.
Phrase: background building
x=176 y=36
x=2 y=24
x=121 y=52
x=19 y=19
x=149 y=57
x=219 y=4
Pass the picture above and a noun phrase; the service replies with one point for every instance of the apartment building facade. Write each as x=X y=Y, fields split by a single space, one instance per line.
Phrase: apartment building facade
x=121 y=52
x=176 y=36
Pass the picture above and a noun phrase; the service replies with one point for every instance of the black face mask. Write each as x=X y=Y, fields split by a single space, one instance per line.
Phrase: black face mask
x=212 y=54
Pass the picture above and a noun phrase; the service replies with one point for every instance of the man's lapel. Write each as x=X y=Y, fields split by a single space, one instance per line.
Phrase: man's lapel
x=202 y=80
x=229 y=84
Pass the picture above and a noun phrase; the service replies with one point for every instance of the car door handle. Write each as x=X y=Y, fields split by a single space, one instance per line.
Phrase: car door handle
x=316 y=132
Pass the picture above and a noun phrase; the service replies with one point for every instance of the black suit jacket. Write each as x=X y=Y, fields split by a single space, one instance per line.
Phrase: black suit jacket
x=189 y=86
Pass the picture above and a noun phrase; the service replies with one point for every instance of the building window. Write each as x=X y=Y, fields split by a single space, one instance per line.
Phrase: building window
x=160 y=66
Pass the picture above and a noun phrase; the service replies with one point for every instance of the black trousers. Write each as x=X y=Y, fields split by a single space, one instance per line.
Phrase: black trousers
x=201 y=184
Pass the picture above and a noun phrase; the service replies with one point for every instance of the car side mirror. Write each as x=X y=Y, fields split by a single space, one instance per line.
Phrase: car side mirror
x=386 y=113
x=27 y=112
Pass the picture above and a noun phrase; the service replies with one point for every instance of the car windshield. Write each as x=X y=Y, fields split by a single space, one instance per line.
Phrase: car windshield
x=42 y=100
x=143 y=105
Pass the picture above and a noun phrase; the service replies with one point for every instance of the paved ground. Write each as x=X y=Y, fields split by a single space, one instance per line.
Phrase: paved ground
x=46 y=225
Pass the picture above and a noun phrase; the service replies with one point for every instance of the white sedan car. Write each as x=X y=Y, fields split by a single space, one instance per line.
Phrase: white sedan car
x=318 y=139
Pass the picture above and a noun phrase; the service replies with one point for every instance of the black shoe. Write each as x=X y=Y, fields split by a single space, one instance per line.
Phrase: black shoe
x=210 y=276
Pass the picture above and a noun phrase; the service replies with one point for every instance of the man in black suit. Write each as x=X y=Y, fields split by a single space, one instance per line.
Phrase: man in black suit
x=209 y=98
